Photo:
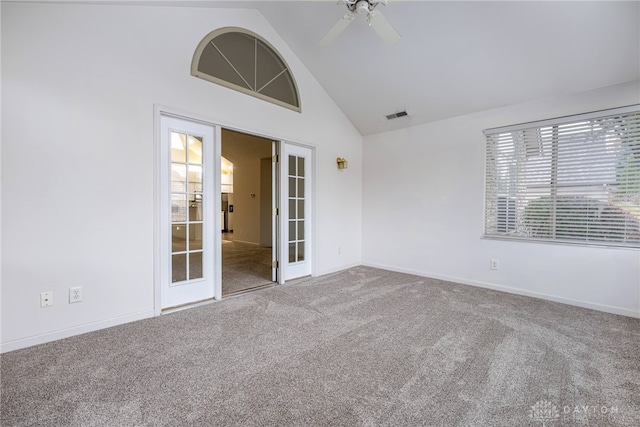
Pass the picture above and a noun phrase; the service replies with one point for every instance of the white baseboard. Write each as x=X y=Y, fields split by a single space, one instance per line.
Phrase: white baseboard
x=76 y=330
x=102 y=324
x=510 y=290
x=336 y=269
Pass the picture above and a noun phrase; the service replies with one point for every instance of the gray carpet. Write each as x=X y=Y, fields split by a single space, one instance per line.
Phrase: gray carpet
x=358 y=347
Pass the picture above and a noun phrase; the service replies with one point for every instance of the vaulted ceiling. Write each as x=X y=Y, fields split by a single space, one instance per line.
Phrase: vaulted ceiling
x=456 y=58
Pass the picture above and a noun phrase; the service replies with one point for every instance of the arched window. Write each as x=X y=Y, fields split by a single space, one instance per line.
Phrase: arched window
x=244 y=61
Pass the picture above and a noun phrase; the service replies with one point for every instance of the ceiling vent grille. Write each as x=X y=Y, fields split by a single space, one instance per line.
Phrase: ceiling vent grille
x=396 y=115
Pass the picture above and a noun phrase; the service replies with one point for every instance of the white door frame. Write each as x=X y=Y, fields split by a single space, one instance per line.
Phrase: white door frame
x=275 y=206
x=162 y=110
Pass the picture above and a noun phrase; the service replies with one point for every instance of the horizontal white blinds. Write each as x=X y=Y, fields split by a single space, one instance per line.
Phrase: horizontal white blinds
x=574 y=179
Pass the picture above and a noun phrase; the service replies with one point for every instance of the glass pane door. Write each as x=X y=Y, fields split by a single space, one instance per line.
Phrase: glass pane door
x=186 y=207
x=187 y=212
x=296 y=208
x=296 y=188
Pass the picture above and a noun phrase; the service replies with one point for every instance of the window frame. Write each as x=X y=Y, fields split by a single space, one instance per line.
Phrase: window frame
x=502 y=222
x=220 y=31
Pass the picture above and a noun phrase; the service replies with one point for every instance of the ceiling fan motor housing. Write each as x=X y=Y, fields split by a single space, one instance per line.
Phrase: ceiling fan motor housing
x=362 y=7
x=374 y=18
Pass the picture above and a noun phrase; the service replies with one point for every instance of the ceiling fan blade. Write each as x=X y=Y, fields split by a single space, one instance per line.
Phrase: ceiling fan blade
x=337 y=29
x=379 y=23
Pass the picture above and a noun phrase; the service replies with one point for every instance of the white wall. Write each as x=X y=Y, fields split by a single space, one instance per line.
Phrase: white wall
x=423 y=208
x=79 y=87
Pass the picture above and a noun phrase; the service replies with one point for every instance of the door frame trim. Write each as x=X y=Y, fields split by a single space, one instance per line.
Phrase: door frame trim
x=160 y=110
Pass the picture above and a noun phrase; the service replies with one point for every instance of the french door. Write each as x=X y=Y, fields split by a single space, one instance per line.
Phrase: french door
x=189 y=208
x=189 y=262
x=296 y=172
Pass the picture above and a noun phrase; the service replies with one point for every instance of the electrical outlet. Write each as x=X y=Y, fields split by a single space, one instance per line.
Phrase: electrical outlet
x=46 y=299
x=494 y=264
x=75 y=294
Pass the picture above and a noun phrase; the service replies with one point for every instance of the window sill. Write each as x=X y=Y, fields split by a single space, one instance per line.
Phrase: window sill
x=600 y=245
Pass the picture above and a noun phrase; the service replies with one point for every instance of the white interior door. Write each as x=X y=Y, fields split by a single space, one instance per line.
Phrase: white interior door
x=296 y=176
x=190 y=208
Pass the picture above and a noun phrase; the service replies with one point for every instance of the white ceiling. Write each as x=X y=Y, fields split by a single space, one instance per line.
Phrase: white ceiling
x=456 y=58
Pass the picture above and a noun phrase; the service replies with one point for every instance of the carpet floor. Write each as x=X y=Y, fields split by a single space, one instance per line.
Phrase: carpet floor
x=244 y=266
x=359 y=347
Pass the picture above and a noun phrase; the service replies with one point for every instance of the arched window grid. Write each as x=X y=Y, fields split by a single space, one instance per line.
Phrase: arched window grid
x=212 y=62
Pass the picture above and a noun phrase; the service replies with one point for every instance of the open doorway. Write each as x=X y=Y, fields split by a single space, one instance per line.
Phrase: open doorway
x=247 y=221
x=263 y=209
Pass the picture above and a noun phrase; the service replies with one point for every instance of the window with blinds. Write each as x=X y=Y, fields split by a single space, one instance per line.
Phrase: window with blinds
x=572 y=179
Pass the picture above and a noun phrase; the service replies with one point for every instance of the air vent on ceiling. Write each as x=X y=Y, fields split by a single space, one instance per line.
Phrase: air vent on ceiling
x=396 y=115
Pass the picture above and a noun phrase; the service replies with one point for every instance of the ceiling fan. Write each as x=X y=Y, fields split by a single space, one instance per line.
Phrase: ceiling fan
x=374 y=18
